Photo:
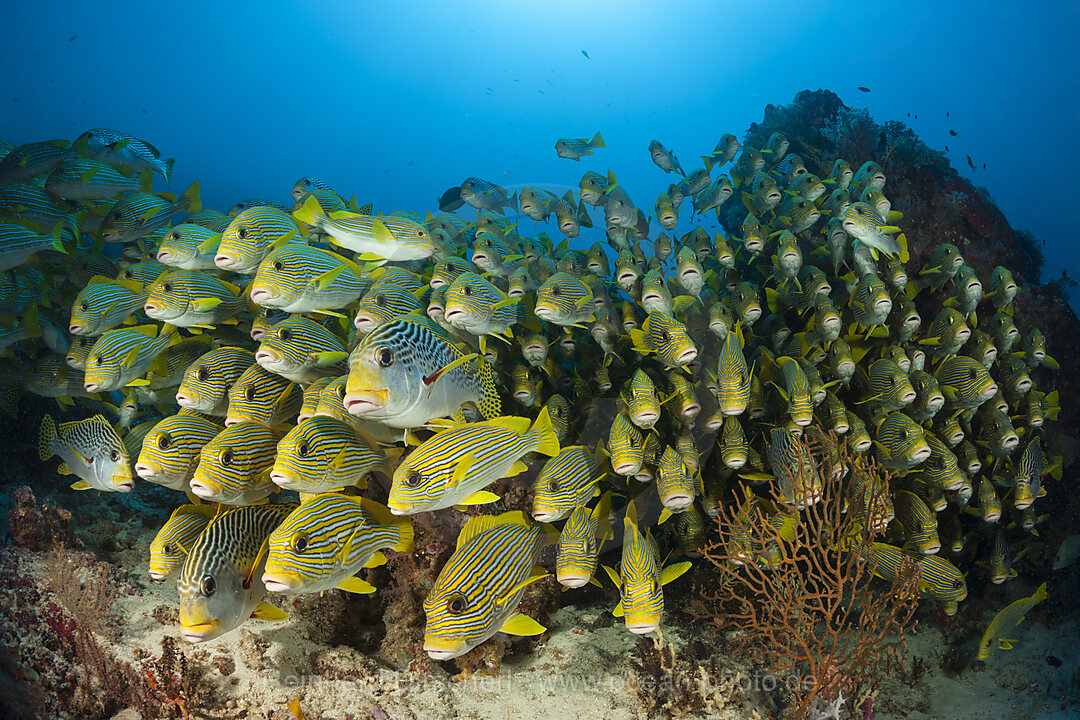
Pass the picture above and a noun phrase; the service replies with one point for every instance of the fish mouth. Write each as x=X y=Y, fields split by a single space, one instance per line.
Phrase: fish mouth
x=691 y=411
x=625 y=469
x=364 y=324
x=203 y=491
x=184 y=401
x=146 y=472
x=264 y=358
x=92 y=387
x=522 y=395
x=259 y=295
x=935 y=548
x=642 y=628
x=543 y=311
x=546 y=515
x=151 y=309
x=399 y=508
x=1023 y=386
x=1010 y=441
x=362 y=402
x=282 y=480
x=156 y=576
x=225 y=262
x=199 y=632
x=935 y=403
x=646 y=419
x=75 y=329
x=124 y=486
x=751 y=315
x=841 y=427
x=571 y=579
x=164 y=256
x=687 y=356
x=437 y=650
x=678 y=501
x=735 y=461
x=279 y=583
x=451 y=315
x=908 y=397
x=921 y=454
x=989 y=392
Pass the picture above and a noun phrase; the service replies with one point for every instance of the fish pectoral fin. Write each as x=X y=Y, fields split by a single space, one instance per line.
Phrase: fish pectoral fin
x=462 y=470
x=1005 y=644
x=326 y=279
x=480 y=497
x=356 y=585
x=270 y=613
x=376 y=560
x=325 y=359
x=80 y=485
x=522 y=624
x=202 y=305
x=618 y=610
x=517 y=468
x=673 y=571
x=430 y=379
x=614 y=576
x=533 y=577
x=664 y=515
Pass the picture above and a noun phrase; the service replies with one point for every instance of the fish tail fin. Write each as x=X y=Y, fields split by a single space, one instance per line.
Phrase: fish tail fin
x=166 y=169
x=310 y=212
x=542 y=433
x=597 y=141
x=46 y=436
x=191 y=195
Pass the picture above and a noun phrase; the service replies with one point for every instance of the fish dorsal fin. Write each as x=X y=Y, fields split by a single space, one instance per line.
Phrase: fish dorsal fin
x=481 y=523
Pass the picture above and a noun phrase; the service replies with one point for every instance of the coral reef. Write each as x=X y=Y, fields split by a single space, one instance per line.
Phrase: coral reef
x=37 y=528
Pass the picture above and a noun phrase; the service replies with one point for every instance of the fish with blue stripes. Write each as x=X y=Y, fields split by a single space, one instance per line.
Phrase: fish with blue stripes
x=301 y=350
x=249 y=236
x=206 y=382
x=303 y=279
x=264 y=397
x=169 y=548
x=479 y=588
x=193 y=298
x=1004 y=624
x=119 y=148
x=641 y=578
x=137 y=214
x=371 y=237
x=566 y=482
x=452 y=467
x=577 y=148
x=170 y=451
x=90 y=450
x=234 y=467
x=324 y=454
x=580 y=541
x=330 y=537
x=123 y=355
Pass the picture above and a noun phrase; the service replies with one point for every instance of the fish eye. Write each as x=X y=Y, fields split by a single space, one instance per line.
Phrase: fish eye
x=554 y=485
x=656 y=586
x=227 y=458
x=163 y=441
x=380 y=300
x=167 y=287
x=302 y=449
x=556 y=290
x=202 y=374
x=114 y=455
x=82 y=306
x=128 y=275
x=341 y=391
x=278 y=265
x=456 y=604
x=284 y=334
x=242 y=232
x=958 y=583
x=386 y=357
x=412 y=480
x=168 y=549
x=207 y=586
x=300 y=543
x=664 y=336
x=419 y=233
x=972 y=374
x=468 y=291
x=249 y=392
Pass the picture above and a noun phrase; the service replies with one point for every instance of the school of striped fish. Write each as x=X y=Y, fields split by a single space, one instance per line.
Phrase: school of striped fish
x=380 y=366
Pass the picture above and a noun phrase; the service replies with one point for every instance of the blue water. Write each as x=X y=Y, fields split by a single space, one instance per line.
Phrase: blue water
x=396 y=102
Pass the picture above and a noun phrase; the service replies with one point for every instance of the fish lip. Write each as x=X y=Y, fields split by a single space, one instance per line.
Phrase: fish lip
x=990 y=391
x=363 y=403
x=74 y=329
x=921 y=454
x=908 y=397
x=1010 y=441
x=281 y=480
x=224 y=261
x=623 y=468
x=201 y=490
x=156 y=576
x=571 y=581
x=259 y=294
x=184 y=401
x=262 y=357
x=144 y=471
x=91 y=387
x=150 y=308
x=163 y=255
x=278 y=584
x=544 y=516
x=193 y=634
x=440 y=654
x=124 y=486
x=687 y=356
x=642 y=628
x=449 y=315
x=680 y=501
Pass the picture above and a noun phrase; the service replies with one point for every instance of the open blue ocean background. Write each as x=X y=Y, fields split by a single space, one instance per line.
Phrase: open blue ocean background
x=395 y=102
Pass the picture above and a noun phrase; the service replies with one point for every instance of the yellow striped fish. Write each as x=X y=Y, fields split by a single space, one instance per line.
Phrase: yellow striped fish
x=920 y=524
x=582 y=536
x=125 y=354
x=263 y=397
x=219 y=584
x=207 y=381
x=564 y=300
x=311 y=398
x=103 y=305
x=734 y=449
x=381 y=237
x=626 y=446
x=327 y=540
x=1006 y=621
x=136 y=214
x=248 y=237
x=567 y=481
x=170 y=546
x=303 y=279
x=170 y=451
x=454 y=466
x=476 y=306
x=642 y=404
x=324 y=454
x=640 y=579
x=667 y=338
x=732 y=374
x=478 y=590
x=189 y=247
x=302 y=350
x=675 y=486
x=383 y=303
x=193 y=298
x=789 y=379
x=234 y=468
x=332 y=404
x=964 y=382
x=901 y=443
x=78 y=351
